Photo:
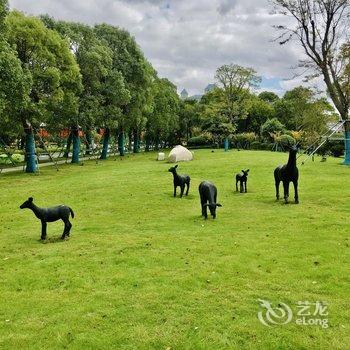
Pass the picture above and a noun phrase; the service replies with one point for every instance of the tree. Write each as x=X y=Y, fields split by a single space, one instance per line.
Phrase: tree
x=163 y=120
x=268 y=96
x=270 y=127
x=14 y=91
x=53 y=72
x=95 y=63
x=138 y=74
x=4 y=8
x=322 y=27
x=236 y=82
x=300 y=109
x=215 y=118
x=188 y=117
x=258 y=111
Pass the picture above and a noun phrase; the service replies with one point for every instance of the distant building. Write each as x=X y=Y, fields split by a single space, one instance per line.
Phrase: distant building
x=184 y=94
x=209 y=88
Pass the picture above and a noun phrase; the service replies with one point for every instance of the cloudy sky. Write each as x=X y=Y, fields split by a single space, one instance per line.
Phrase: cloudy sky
x=186 y=40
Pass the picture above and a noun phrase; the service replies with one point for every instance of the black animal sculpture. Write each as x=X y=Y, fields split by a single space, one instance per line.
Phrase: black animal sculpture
x=46 y=215
x=288 y=173
x=242 y=179
x=180 y=181
x=208 y=194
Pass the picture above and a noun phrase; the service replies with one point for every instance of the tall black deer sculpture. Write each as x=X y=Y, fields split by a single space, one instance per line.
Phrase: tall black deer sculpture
x=288 y=173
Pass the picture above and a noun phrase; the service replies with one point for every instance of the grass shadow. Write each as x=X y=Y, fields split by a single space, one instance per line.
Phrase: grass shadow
x=52 y=240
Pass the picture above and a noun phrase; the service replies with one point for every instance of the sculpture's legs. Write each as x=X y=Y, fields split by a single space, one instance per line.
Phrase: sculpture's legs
x=277 y=185
x=43 y=230
x=286 y=191
x=182 y=190
x=296 y=195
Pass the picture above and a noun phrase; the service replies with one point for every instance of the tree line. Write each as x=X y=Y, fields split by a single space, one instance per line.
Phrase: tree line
x=71 y=76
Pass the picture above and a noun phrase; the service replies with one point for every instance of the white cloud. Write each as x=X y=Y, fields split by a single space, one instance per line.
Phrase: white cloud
x=187 y=40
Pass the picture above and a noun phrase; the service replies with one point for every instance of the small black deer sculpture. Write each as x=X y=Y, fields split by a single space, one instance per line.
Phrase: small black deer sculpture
x=46 y=215
x=180 y=181
x=242 y=178
x=288 y=173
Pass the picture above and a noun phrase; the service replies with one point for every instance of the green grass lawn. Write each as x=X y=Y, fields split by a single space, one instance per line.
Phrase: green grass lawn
x=143 y=270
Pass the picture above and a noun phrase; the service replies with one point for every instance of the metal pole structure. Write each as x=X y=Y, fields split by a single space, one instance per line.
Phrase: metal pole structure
x=324 y=141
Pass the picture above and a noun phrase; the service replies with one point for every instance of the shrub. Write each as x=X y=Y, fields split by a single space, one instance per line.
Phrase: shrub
x=202 y=140
x=271 y=127
x=335 y=148
x=243 y=140
x=264 y=146
x=17 y=158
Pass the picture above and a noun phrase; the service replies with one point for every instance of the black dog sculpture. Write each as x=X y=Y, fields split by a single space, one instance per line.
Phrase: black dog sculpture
x=242 y=179
x=208 y=194
x=46 y=215
x=180 y=181
x=288 y=173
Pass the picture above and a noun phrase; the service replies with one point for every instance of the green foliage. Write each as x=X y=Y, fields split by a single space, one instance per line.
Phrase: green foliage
x=299 y=109
x=16 y=158
x=189 y=117
x=138 y=74
x=235 y=82
x=270 y=127
x=258 y=112
x=268 y=96
x=335 y=148
x=283 y=140
x=14 y=90
x=4 y=8
x=202 y=140
x=243 y=140
x=53 y=71
x=163 y=120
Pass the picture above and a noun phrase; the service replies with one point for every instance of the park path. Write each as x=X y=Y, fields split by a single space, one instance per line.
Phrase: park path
x=40 y=165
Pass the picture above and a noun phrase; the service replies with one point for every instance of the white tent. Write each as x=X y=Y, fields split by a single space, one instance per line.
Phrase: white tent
x=180 y=154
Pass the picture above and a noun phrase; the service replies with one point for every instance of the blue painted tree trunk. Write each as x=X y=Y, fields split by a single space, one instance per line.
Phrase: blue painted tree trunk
x=88 y=142
x=121 y=143
x=76 y=146
x=69 y=144
x=136 y=137
x=347 y=147
x=106 y=137
x=148 y=144
x=226 y=144
x=31 y=166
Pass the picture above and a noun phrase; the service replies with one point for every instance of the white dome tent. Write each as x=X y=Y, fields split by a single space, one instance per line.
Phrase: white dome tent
x=180 y=154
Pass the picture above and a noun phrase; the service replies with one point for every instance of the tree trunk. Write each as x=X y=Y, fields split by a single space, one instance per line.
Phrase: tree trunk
x=121 y=142
x=106 y=137
x=88 y=142
x=136 y=137
x=148 y=143
x=347 y=143
x=130 y=141
x=31 y=166
x=226 y=144
x=69 y=143
x=76 y=145
x=156 y=146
